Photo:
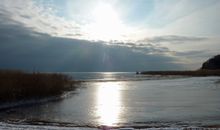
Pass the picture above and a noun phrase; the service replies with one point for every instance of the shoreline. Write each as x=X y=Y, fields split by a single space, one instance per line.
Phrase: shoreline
x=44 y=125
x=7 y=106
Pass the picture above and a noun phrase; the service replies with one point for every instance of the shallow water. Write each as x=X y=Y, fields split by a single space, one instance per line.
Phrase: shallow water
x=116 y=101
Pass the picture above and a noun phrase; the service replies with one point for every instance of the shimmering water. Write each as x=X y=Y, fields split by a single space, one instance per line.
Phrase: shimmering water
x=119 y=99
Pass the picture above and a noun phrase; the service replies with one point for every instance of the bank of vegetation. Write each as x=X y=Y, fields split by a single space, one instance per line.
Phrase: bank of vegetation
x=18 y=85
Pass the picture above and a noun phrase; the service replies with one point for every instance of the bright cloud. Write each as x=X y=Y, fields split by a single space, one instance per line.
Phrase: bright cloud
x=39 y=18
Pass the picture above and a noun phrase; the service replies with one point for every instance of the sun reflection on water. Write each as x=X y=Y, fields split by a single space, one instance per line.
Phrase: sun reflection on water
x=108 y=103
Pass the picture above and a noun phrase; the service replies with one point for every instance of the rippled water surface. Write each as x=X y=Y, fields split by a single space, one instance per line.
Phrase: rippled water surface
x=117 y=99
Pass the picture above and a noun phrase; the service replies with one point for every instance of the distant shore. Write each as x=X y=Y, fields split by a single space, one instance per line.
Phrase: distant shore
x=198 y=73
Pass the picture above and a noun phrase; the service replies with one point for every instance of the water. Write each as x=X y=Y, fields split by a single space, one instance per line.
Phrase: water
x=126 y=99
x=114 y=76
x=107 y=76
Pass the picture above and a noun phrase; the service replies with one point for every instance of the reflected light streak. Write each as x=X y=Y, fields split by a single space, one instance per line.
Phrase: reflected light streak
x=108 y=103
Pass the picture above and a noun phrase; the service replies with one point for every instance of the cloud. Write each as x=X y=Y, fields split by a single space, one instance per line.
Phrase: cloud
x=193 y=59
x=167 y=12
x=202 y=22
x=173 y=39
x=41 y=19
x=32 y=36
x=189 y=51
x=23 y=48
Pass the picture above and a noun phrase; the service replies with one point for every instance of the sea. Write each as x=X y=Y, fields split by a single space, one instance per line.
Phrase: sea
x=114 y=100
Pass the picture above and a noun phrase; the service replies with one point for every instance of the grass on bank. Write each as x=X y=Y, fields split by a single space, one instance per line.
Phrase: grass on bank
x=17 y=85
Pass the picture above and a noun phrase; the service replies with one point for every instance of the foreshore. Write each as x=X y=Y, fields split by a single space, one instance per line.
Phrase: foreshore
x=197 y=73
x=64 y=127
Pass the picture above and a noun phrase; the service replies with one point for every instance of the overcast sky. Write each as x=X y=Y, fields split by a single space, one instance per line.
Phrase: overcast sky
x=108 y=35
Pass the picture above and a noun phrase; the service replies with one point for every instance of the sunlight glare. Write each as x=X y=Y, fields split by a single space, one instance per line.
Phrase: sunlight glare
x=108 y=103
x=107 y=24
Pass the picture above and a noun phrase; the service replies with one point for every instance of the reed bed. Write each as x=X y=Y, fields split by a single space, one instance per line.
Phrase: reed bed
x=17 y=85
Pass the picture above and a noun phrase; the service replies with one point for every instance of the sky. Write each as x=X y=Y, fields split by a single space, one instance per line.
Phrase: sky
x=108 y=35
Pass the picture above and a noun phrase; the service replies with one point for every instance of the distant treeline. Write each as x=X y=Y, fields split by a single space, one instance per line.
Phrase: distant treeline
x=17 y=85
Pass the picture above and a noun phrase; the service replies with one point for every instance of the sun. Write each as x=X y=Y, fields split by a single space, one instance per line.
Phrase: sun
x=106 y=23
x=104 y=13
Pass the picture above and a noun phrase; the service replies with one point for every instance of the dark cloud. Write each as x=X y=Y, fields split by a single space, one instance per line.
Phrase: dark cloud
x=73 y=34
x=173 y=39
x=23 y=48
x=26 y=16
x=145 y=48
x=196 y=55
